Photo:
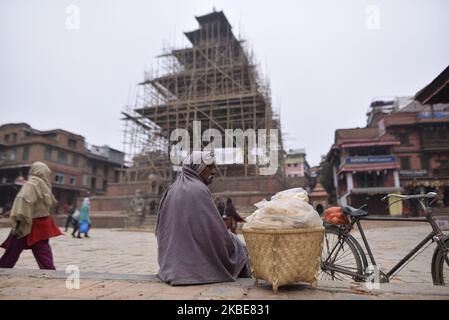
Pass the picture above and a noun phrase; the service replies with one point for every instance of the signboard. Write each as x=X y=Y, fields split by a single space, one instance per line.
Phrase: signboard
x=436 y=115
x=372 y=159
x=413 y=173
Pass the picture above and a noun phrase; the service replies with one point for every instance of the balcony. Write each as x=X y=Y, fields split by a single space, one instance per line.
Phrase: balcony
x=435 y=145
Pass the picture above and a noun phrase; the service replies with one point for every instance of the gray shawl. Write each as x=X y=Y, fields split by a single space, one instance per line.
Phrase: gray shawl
x=194 y=246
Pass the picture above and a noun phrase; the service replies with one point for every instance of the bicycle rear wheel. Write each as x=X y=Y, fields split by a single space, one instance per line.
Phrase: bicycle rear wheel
x=339 y=251
x=440 y=267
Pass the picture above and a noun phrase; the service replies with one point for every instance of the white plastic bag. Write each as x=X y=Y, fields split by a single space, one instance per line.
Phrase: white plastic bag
x=287 y=209
x=295 y=193
x=76 y=215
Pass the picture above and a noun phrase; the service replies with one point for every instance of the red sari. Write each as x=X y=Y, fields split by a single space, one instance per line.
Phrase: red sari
x=42 y=229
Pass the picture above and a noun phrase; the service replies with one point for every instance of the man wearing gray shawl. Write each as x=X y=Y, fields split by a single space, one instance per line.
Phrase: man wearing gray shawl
x=194 y=245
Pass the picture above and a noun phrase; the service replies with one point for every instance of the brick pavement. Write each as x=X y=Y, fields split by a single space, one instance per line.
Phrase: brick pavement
x=36 y=284
x=121 y=264
x=132 y=252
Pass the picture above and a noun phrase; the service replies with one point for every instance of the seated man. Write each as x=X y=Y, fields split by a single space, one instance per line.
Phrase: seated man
x=194 y=246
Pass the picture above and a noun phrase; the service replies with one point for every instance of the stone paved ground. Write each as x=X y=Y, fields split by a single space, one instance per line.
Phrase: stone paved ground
x=390 y=245
x=129 y=252
x=121 y=264
x=108 y=250
x=34 y=284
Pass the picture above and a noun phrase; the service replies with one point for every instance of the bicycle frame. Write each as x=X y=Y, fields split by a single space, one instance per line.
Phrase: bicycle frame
x=435 y=235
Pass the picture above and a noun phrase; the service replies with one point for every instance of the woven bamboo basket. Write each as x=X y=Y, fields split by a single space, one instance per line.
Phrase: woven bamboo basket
x=284 y=256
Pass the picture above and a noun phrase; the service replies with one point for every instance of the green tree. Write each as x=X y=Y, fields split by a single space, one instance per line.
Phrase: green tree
x=327 y=180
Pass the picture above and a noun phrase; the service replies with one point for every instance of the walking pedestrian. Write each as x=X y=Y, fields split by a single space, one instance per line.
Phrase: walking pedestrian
x=32 y=224
x=84 y=219
x=68 y=221
x=232 y=217
x=75 y=222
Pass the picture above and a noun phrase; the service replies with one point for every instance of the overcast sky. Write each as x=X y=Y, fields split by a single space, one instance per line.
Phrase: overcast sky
x=326 y=60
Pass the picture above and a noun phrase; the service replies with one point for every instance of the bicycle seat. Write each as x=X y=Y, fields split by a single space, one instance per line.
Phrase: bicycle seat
x=353 y=212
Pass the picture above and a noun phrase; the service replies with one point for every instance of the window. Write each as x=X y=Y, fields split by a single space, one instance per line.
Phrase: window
x=425 y=162
x=289 y=165
x=72 y=180
x=62 y=157
x=11 y=137
x=94 y=169
x=75 y=160
x=369 y=179
x=47 y=154
x=26 y=152
x=85 y=179
x=93 y=183
x=59 y=178
x=105 y=171
x=12 y=154
x=405 y=163
x=442 y=135
x=72 y=143
x=295 y=165
x=428 y=135
x=105 y=184
x=403 y=138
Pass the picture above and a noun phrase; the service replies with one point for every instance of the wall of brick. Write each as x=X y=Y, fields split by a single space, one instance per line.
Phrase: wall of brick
x=244 y=201
x=246 y=191
x=127 y=189
x=119 y=204
x=107 y=203
x=267 y=184
x=98 y=221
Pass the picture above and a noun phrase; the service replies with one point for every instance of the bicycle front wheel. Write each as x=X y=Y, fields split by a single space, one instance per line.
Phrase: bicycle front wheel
x=340 y=259
x=440 y=267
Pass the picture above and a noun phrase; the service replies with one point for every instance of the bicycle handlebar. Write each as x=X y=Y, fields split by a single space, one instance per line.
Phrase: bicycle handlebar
x=429 y=195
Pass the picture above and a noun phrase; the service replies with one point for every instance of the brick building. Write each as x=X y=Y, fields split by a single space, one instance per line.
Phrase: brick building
x=404 y=148
x=364 y=167
x=75 y=167
x=296 y=168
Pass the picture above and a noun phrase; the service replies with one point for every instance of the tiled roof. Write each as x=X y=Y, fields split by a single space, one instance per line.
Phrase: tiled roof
x=356 y=134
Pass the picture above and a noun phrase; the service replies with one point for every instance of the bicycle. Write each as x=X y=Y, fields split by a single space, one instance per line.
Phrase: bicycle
x=343 y=258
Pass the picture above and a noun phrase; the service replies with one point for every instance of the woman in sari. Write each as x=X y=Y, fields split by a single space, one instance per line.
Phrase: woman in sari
x=32 y=224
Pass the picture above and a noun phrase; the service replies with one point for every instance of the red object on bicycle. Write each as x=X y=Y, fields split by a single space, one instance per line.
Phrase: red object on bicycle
x=335 y=215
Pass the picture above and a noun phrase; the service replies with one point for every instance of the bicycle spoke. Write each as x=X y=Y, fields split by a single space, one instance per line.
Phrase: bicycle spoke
x=346 y=254
x=338 y=253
